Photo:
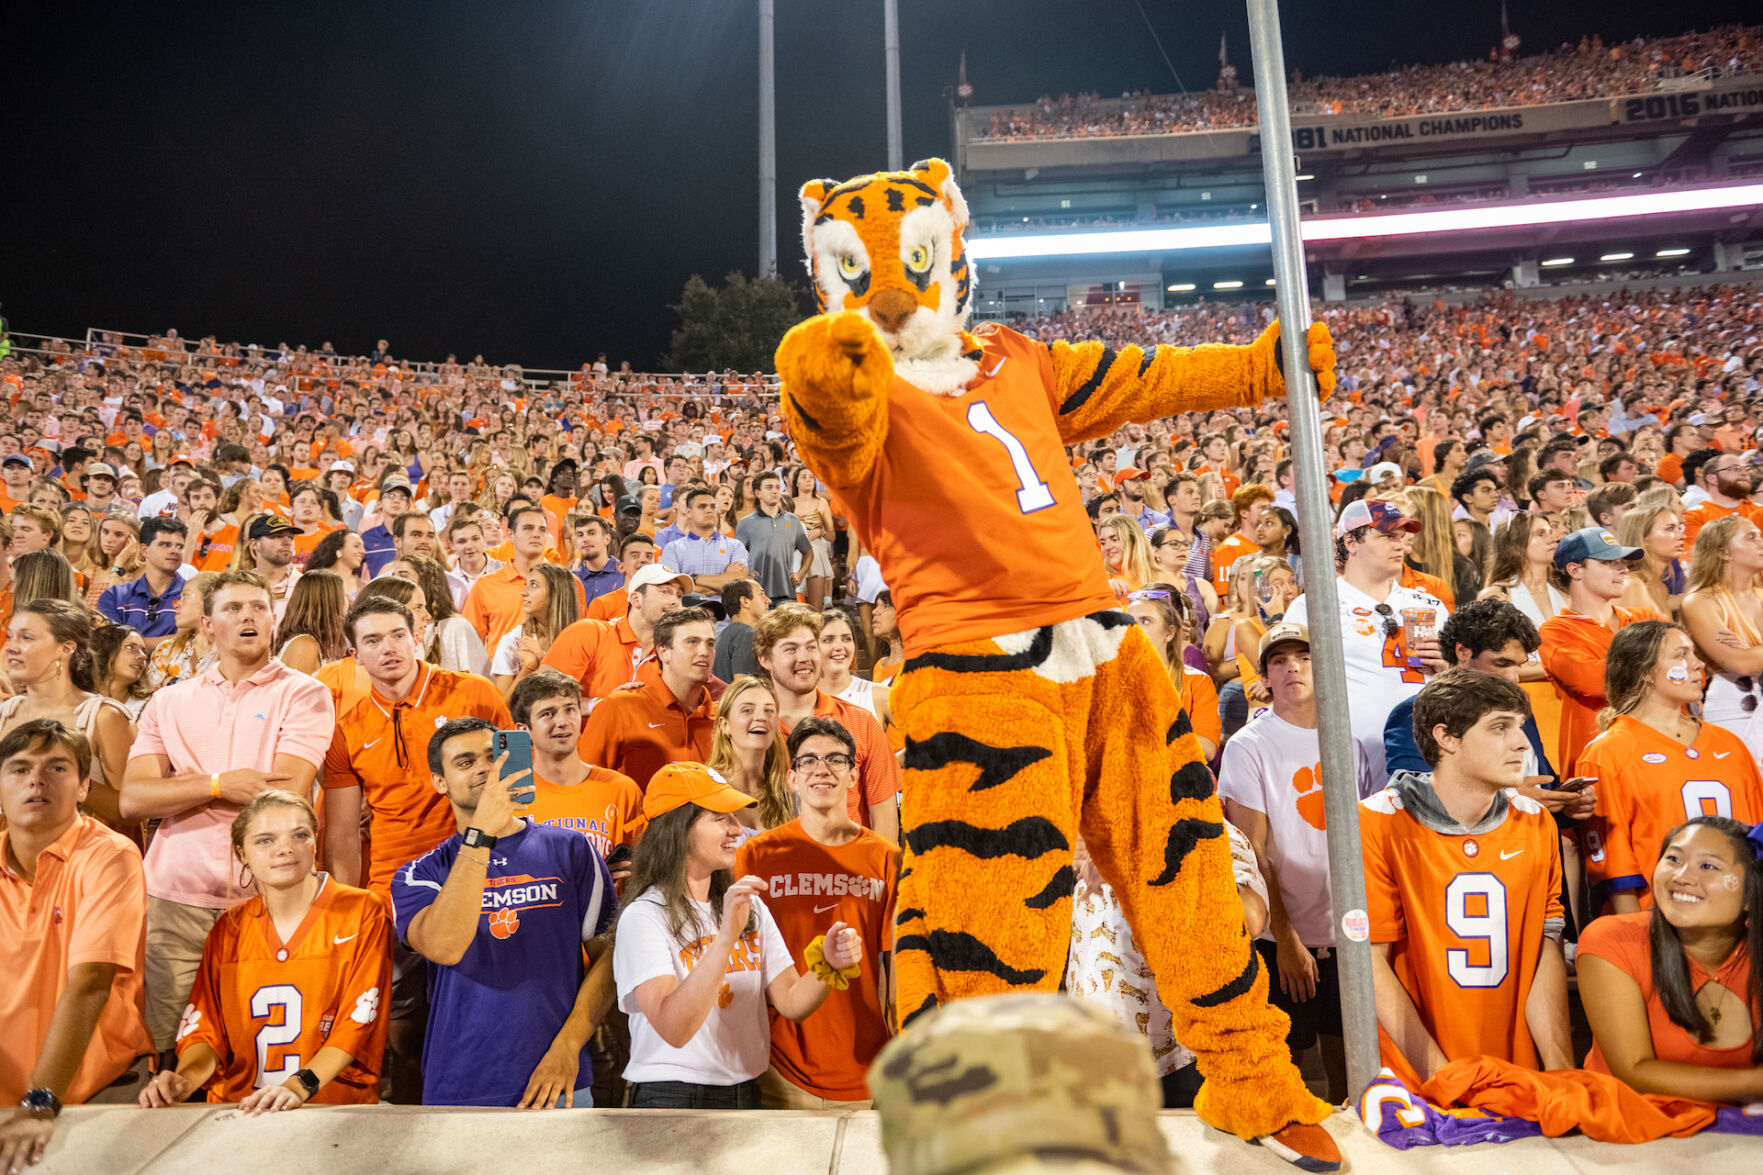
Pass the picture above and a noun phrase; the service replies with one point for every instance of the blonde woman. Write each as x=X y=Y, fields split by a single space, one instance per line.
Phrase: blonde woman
x=188 y=651
x=119 y=555
x=1126 y=553
x=79 y=539
x=548 y=606
x=1435 y=547
x=1724 y=615
x=747 y=749
x=1164 y=613
x=1659 y=582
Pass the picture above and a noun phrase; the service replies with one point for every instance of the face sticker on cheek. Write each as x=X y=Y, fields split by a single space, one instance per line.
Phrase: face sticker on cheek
x=1730 y=881
x=1678 y=673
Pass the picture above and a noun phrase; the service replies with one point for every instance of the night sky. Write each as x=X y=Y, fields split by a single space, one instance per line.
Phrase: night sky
x=535 y=180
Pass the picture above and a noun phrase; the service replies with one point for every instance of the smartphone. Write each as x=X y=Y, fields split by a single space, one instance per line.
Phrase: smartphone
x=518 y=746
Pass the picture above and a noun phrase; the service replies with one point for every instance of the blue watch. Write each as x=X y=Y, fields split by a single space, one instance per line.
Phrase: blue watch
x=41 y=1103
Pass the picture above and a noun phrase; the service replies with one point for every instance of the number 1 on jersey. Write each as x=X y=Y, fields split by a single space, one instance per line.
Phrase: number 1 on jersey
x=1032 y=494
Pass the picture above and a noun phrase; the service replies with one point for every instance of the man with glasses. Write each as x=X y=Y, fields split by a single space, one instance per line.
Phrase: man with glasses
x=1384 y=667
x=1725 y=482
x=824 y=865
x=149 y=604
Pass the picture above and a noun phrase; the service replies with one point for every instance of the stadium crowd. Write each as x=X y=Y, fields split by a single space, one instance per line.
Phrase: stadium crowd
x=351 y=707
x=1589 y=69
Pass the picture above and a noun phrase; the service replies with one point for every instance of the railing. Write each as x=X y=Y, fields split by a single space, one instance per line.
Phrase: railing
x=535 y=381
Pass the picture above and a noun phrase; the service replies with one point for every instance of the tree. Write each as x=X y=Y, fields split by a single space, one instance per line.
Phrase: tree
x=738 y=325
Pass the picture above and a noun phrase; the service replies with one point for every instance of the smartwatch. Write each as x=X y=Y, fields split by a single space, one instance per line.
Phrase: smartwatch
x=477 y=838
x=41 y=1103
x=308 y=1081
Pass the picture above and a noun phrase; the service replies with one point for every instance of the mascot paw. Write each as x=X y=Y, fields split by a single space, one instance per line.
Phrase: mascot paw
x=835 y=353
x=1319 y=350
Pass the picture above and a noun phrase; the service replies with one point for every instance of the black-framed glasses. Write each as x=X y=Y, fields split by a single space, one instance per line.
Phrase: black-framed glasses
x=1391 y=626
x=836 y=762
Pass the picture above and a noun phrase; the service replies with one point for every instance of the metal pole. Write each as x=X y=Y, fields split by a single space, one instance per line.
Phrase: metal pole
x=767 y=144
x=1328 y=663
x=891 y=41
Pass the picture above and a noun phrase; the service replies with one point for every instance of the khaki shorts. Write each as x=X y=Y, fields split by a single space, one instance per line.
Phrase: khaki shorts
x=777 y=1092
x=175 y=934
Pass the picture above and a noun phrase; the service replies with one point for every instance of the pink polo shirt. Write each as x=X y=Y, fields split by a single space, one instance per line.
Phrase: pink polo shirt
x=209 y=724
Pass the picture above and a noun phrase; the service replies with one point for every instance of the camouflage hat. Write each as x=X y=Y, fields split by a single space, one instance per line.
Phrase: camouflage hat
x=1005 y=1081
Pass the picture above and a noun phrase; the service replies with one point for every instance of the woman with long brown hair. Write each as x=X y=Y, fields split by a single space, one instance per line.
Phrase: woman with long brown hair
x=816 y=514
x=700 y=1035
x=1656 y=764
x=548 y=606
x=1724 y=614
x=747 y=747
x=310 y=634
x=49 y=661
x=1435 y=547
x=119 y=667
x=1166 y=614
x=1524 y=556
x=42 y=575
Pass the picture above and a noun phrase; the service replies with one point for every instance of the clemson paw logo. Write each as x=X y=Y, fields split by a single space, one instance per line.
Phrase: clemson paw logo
x=366 y=1007
x=192 y=1017
x=1306 y=782
x=504 y=923
x=725 y=997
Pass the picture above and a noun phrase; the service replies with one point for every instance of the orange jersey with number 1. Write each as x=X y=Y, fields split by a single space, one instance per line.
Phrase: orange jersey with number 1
x=972 y=510
x=266 y=1007
x=1648 y=784
x=1465 y=916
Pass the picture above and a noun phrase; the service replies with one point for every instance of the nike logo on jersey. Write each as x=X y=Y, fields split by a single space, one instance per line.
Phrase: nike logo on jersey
x=1505 y=856
x=654 y=725
x=824 y=909
x=371 y=745
x=1721 y=754
x=340 y=939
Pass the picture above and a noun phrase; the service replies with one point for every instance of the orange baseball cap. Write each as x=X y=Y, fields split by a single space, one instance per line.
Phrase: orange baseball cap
x=679 y=784
x=1126 y=475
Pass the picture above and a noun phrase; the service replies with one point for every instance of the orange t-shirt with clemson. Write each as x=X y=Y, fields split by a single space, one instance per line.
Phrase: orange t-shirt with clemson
x=810 y=886
x=606 y=807
x=961 y=550
x=1648 y=784
x=1464 y=914
x=261 y=1003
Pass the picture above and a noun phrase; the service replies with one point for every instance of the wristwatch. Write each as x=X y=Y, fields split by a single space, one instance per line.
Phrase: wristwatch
x=308 y=1081
x=41 y=1103
x=477 y=838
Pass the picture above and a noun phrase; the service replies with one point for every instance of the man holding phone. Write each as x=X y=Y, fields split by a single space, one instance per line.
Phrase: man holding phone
x=603 y=805
x=503 y=910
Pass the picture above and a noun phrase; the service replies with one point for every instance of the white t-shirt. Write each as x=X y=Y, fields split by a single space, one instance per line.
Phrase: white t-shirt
x=505 y=662
x=1378 y=677
x=868 y=575
x=1275 y=768
x=734 y=1044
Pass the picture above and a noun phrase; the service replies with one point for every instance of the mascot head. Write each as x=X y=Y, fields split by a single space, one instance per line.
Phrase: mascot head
x=889 y=246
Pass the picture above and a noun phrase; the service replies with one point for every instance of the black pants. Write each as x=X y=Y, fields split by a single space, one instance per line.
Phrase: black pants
x=689 y=1095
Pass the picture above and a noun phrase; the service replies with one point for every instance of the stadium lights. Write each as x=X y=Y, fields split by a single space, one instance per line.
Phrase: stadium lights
x=1231 y=285
x=1271 y=281
x=1383 y=224
x=1554 y=261
x=1302 y=176
x=1182 y=288
x=1617 y=257
x=1672 y=253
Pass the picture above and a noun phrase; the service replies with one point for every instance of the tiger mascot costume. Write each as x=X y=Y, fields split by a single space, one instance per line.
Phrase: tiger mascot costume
x=1033 y=708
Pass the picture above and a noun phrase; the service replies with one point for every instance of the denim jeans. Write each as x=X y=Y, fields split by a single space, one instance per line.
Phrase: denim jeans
x=689 y=1095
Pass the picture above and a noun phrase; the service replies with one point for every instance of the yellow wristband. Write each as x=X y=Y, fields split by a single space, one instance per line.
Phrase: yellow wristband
x=837 y=978
x=214 y=786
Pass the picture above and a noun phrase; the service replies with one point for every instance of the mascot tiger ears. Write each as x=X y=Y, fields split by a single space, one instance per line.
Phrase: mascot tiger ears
x=889 y=246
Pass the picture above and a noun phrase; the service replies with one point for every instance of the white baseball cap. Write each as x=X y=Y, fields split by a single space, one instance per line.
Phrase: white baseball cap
x=656 y=573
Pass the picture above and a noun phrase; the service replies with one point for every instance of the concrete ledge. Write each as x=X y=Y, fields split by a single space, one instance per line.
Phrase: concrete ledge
x=394 y=1140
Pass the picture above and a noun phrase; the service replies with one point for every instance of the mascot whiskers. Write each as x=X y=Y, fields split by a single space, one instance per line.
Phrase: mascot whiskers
x=1034 y=710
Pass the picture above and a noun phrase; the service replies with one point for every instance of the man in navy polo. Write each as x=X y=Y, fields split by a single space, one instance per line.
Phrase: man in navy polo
x=149 y=604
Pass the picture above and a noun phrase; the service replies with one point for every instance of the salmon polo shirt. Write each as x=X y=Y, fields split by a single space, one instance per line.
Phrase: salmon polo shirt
x=85 y=905
x=209 y=724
